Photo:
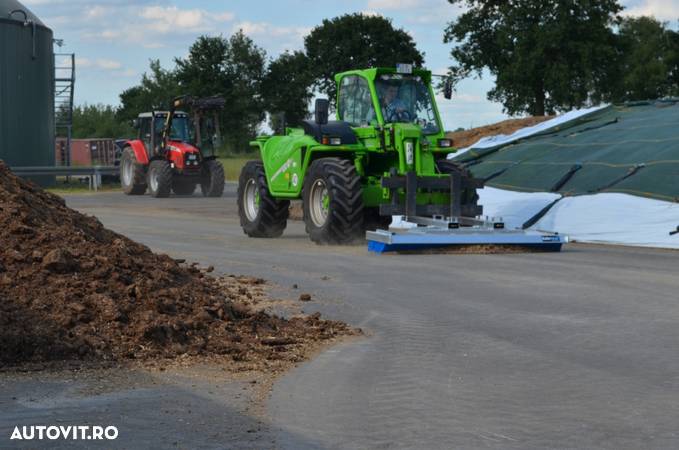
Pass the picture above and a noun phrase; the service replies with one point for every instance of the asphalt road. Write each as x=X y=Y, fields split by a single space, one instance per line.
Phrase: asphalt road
x=578 y=349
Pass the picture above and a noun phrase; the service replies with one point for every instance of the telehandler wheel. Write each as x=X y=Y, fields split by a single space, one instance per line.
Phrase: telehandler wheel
x=261 y=215
x=183 y=187
x=132 y=176
x=333 y=202
x=160 y=178
x=212 y=180
x=469 y=196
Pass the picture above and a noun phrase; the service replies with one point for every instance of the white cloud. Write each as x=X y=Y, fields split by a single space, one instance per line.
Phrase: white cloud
x=96 y=12
x=108 y=64
x=166 y=19
x=82 y=62
x=395 y=4
x=224 y=17
x=661 y=9
x=265 y=28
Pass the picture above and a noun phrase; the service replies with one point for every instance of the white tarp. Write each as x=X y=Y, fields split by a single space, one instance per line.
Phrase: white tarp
x=615 y=219
x=604 y=218
x=492 y=141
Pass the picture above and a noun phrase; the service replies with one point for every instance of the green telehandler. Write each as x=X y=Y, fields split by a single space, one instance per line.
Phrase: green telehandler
x=384 y=156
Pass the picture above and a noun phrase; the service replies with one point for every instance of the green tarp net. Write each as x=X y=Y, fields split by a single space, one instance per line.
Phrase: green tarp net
x=632 y=149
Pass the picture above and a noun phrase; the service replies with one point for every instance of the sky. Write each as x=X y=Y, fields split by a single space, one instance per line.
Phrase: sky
x=114 y=39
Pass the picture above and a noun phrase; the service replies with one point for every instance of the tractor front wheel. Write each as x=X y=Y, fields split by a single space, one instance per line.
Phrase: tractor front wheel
x=212 y=181
x=160 y=178
x=261 y=215
x=333 y=202
x=132 y=176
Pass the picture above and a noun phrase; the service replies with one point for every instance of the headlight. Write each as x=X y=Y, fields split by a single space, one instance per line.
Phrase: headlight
x=409 y=147
x=446 y=143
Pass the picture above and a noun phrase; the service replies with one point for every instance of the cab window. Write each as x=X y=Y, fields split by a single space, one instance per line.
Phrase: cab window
x=145 y=132
x=355 y=102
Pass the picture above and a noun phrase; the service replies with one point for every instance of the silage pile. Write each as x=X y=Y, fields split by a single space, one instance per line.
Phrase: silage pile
x=71 y=289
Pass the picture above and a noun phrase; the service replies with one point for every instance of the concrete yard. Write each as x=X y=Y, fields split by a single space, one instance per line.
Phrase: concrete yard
x=578 y=349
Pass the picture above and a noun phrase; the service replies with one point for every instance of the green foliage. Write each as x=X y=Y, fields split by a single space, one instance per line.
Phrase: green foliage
x=155 y=92
x=233 y=68
x=648 y=61
x=287 y=89
x=98 y=121
x=546 y=55
x=356 y=41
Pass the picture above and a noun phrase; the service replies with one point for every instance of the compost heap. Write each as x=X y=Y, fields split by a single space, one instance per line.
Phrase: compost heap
x=465 y=138
x=71 y=289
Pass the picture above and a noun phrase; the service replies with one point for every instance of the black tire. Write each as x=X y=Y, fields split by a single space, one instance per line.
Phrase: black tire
x=469 y=195
x=343 y=218
x=270 y=217
x=160 y=178
x=373 y=221
x=133 y=183
x=212 y=180
x=181 y=186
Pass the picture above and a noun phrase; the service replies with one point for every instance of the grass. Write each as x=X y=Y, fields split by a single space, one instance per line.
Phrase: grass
x=75 y=186
x=234 y=163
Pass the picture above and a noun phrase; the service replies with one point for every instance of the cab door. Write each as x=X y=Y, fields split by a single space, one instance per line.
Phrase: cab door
x=146 y=135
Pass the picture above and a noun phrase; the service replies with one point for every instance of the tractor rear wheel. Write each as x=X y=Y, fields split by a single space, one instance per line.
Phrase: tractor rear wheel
x=469 y=196
x=261 y=215
x=333 y=202
x=132 y=176
x=212 y=181
x=160 y=178
x=182 y=186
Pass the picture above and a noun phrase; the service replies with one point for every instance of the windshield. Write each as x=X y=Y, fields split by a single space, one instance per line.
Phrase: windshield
x=180 y=129
x=406 y=98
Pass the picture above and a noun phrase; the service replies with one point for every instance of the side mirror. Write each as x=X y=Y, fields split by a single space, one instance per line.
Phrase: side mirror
x=279 y=123
x=448 y=89
x=321 y=111
x=135 y=123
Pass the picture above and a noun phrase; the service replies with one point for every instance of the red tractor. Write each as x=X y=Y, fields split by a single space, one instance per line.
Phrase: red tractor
x=175 y=151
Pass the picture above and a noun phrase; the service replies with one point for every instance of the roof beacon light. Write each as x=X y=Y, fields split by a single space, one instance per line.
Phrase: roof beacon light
x=406 y=69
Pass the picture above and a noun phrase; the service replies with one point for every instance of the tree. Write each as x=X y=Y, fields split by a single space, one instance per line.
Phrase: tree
x=99 y=121
x=155 y=92
x=287 y=89
x=648 y=60
x=356 y=41
x=233 y=68
x=546 y=55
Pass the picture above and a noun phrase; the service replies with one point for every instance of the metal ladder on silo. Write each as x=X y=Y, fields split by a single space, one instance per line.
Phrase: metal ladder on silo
x=64 y=83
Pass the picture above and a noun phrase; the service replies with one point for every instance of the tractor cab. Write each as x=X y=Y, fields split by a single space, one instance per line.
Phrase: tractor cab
x=151 y=126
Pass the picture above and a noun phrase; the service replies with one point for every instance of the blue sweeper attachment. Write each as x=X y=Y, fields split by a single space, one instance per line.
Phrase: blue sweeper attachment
x=425 y=234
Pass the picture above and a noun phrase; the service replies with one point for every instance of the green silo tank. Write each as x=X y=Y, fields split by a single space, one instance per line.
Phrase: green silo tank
x=26 y=88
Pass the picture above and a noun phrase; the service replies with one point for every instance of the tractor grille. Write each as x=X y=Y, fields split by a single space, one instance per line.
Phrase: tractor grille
x=192 y=164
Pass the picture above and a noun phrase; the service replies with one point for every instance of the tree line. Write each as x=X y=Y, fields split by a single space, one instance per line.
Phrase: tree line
x=547 y=56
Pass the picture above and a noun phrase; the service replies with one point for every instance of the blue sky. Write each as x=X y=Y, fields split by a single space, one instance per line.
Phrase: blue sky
x=114 y=39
